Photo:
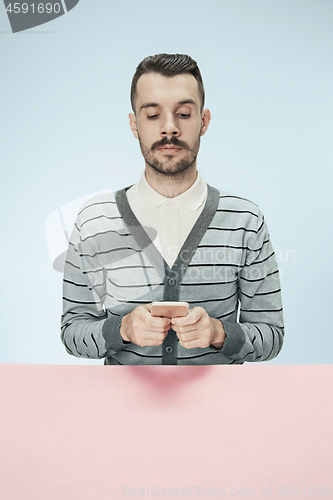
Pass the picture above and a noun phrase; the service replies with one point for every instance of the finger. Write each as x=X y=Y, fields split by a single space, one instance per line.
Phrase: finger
x=156 y=337
x=184 y=329
x=152 y=321
x=192 y=317
x=156 y=321
x=156 y=329
x=188 y=337
x=152 y=343
x=146 y=325
x=189 y=344
x=145 y=337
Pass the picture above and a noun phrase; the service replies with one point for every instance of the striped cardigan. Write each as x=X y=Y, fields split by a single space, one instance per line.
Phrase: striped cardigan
x=226 y=265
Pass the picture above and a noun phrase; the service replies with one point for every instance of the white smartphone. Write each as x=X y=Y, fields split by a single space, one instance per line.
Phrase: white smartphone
x=169 y=309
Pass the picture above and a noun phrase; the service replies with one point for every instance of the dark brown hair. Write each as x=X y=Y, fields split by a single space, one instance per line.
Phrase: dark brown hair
x=168 y=65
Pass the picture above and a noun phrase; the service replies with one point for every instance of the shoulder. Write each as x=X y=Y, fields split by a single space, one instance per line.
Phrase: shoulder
x=98 y=213
x=101 y=202
x=229 y=201
x=237 y=213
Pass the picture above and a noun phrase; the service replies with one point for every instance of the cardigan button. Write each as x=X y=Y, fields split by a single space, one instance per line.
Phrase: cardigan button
x=171 y=281
x=168 y=349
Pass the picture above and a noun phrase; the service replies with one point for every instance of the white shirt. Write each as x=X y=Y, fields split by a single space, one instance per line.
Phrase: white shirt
x=172 y=218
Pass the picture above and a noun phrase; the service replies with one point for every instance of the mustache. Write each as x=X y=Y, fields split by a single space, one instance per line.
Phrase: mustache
x=172 y=141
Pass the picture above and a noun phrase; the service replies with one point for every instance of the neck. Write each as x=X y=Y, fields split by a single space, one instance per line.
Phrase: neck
x=171 y=185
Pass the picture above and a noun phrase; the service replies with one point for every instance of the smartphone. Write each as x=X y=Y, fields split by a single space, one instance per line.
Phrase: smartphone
x=169 y=309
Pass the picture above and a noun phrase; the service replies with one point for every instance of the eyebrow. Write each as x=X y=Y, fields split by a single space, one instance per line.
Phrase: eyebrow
x=149 y=105
x=187 y=101
x=155 y=104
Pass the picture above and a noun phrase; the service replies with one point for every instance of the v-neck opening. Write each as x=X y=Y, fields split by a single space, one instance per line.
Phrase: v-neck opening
x=191 y=242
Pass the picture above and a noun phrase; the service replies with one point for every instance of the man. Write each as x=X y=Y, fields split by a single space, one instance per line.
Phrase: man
x=171 y=237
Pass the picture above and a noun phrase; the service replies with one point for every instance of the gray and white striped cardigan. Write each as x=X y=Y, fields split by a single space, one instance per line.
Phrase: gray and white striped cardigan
x=227 y=266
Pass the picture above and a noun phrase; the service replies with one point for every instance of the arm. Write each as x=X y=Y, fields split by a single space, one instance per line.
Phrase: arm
x=259 y=334
x=86 y=330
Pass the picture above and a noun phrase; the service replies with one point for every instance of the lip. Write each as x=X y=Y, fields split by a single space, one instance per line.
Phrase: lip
x=169 y=149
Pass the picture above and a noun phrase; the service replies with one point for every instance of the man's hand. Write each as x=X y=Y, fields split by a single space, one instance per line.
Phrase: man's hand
x=143 y=329
x=197 y=329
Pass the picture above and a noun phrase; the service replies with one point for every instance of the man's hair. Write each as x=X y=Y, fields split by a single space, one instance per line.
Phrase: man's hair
x=167 y=65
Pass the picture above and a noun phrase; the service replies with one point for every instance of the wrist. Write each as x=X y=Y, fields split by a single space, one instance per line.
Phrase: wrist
x=219 y=334
x=122 y=328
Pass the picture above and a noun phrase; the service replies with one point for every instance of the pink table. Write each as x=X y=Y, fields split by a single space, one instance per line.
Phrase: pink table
x=108 y=432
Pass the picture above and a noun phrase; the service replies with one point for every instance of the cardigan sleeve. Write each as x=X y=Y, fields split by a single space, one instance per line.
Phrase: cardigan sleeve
x=258 y=336
x=87 y=329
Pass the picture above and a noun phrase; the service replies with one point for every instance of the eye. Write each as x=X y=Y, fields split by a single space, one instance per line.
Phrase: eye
x=151 y=117
x=184 y=115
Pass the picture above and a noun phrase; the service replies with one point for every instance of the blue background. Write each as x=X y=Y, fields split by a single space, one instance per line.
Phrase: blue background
x=267 y=70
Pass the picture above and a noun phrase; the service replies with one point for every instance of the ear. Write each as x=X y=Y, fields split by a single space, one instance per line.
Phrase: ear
x=205 y=119
x=132 y=123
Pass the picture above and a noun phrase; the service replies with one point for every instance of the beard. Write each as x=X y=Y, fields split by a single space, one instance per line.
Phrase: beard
x=169 y=166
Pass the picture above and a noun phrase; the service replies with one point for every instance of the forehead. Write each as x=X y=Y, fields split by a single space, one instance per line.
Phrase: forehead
x=153 y=87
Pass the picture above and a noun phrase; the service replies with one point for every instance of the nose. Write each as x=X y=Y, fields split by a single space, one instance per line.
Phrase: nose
x=169 y=126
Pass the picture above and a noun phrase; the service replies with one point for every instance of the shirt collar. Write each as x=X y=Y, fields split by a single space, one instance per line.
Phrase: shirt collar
x=192 y=199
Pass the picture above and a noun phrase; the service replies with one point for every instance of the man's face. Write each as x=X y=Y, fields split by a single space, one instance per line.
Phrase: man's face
x=168 y=121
